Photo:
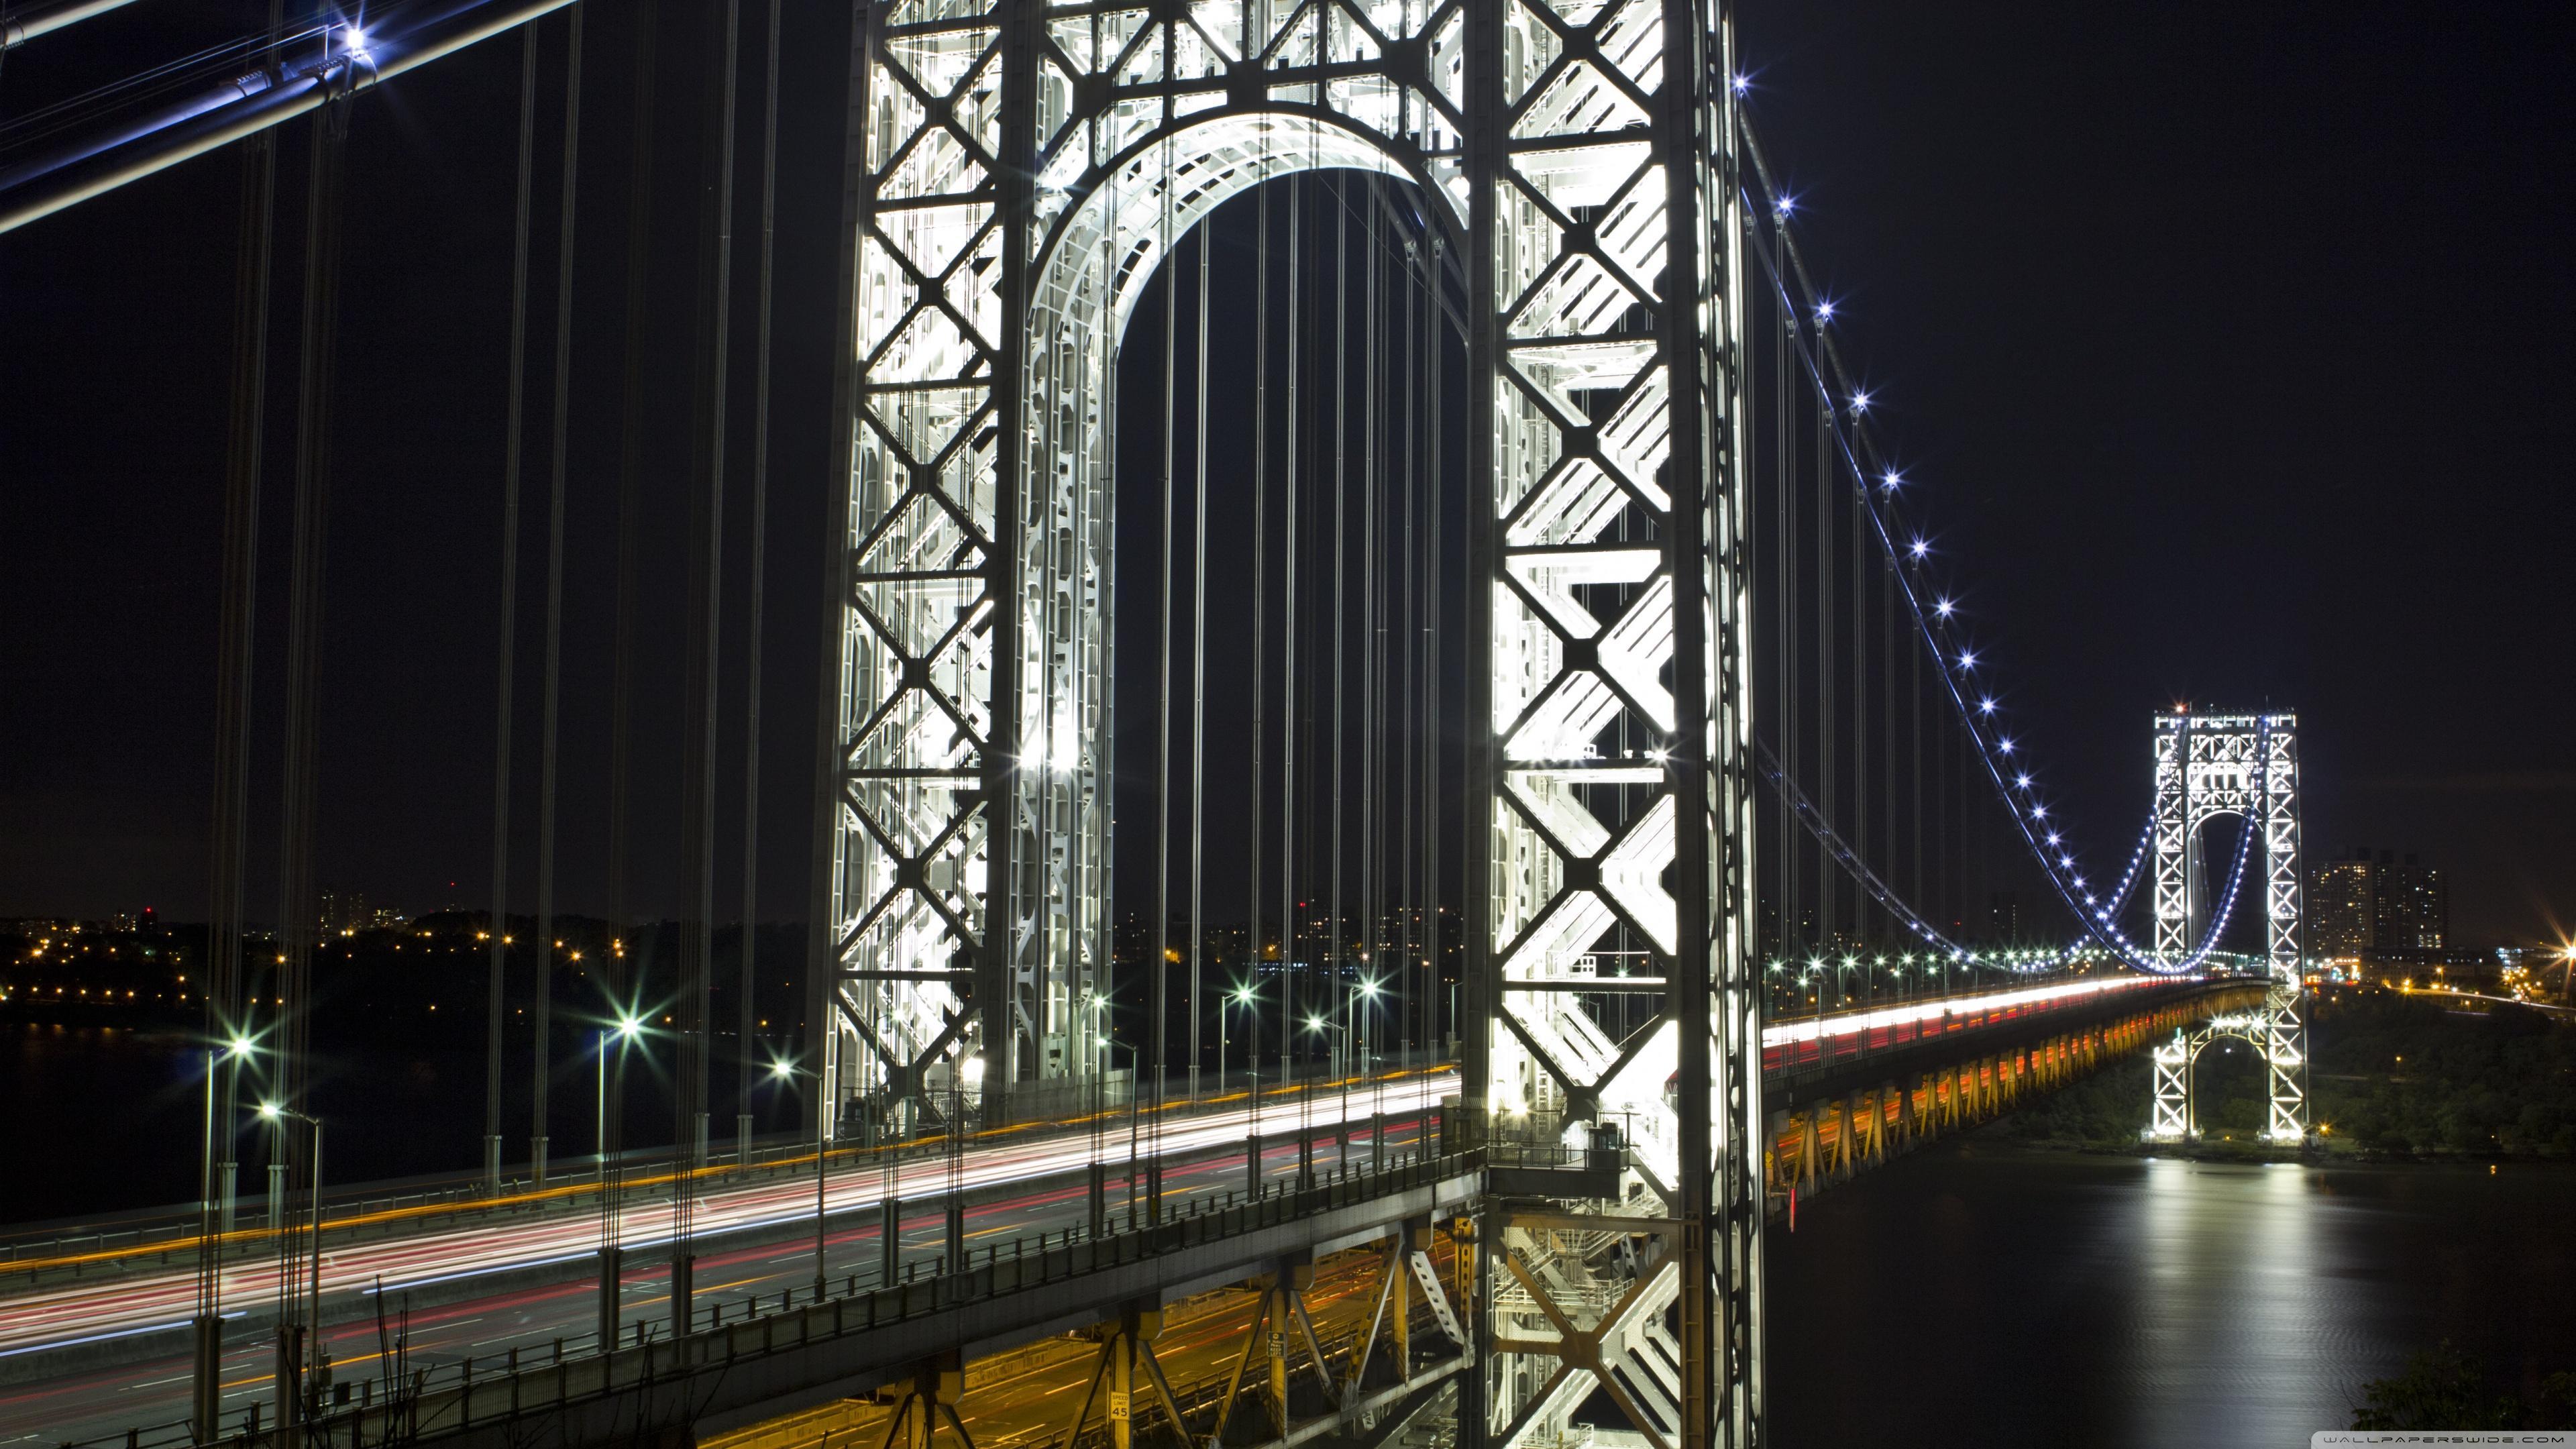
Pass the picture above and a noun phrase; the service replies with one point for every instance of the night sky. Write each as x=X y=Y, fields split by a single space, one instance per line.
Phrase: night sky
x=2227 y=345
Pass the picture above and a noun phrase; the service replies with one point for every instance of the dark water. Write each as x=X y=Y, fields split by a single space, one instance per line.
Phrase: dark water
x=1981 y=1294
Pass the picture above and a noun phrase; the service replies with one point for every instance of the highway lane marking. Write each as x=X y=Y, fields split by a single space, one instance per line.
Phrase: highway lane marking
x=155 y=1383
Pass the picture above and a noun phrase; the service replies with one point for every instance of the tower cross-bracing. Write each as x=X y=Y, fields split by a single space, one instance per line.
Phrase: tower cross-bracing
x=2207 y=766
x=1021 y=169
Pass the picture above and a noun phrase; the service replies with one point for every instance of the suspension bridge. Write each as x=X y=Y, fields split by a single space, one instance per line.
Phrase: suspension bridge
x=1397 y=772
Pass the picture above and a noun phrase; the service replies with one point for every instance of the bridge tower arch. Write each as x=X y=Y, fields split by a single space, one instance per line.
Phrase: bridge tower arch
x=2208 y=766
x=1016 y=169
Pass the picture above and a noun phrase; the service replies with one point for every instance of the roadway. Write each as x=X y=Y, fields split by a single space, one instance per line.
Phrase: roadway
x=1024 y=1399
x=767 y=1246
x=771 y=1250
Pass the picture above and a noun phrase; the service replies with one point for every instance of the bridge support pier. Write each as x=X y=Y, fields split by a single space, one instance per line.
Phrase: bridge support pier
x=2277 y=1035
x=1126 y=1345
x=932 y=1395
x=207 y=1391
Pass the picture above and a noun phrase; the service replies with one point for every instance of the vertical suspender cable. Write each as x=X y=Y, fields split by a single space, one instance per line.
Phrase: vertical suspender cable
x=1828 y=722
x=1784 y=442
x=540 y=1135
x=506 y=668
x=1198 y=676
x=619 y=969
x=1260 y=637
x=1434 y=572
x=1290 y=494
x=295 y=913
x=1889 y=642
x=230 y=818
x=1409 y=891
x=1337 y=725
x=701 y=674
x=745 y=1015
x=1372 y=573
x=1861 y=913
x=1162 y=893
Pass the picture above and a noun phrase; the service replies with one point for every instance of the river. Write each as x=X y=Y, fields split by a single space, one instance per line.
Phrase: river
x=1978 y=1293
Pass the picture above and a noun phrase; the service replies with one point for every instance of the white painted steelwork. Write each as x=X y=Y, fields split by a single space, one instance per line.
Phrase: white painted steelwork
x=1022 y=168
x=2247 y=766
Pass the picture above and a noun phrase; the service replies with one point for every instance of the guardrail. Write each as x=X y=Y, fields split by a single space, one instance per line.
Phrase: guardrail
x=403 y=1403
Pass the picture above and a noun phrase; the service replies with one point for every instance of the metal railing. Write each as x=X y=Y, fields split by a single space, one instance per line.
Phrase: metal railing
x=403 y=1402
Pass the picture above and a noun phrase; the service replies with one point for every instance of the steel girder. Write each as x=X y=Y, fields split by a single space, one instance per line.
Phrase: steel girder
x=1021 y=168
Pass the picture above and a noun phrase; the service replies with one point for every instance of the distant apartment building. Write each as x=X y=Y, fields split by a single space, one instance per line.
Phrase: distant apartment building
x=2414 y=907
x=2340 y=908
x=2365 y=903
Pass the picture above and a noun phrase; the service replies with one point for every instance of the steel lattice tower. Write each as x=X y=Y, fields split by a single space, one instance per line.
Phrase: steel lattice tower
x=1018 y=170
x=2247 y=766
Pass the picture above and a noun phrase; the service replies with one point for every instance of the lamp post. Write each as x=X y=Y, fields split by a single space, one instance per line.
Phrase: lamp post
x=785 y=1073
x=611 y=1265
x=293 y=1316
x=1241 y=996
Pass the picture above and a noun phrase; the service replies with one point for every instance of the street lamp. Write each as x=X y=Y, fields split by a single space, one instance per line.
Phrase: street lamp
x=288 y=1330
x=783 y=1071
x=1241 y=996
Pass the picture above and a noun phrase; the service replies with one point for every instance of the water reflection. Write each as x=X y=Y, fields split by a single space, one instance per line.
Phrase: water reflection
x=1979 y=1295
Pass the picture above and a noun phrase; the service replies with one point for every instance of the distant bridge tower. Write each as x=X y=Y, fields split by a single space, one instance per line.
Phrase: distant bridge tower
x=1018 y=170
x=2247 y=766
